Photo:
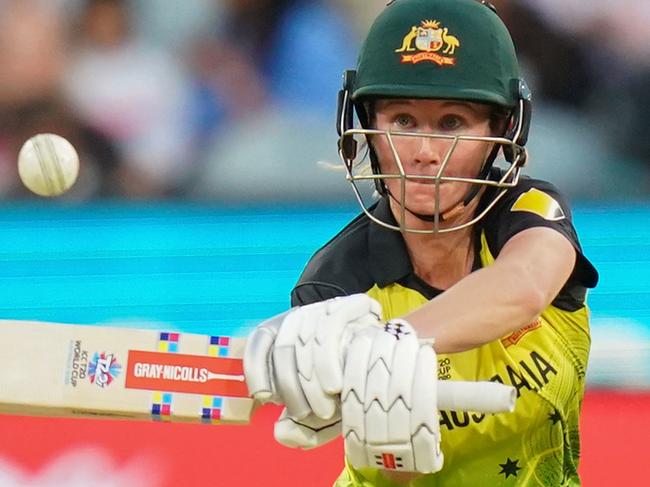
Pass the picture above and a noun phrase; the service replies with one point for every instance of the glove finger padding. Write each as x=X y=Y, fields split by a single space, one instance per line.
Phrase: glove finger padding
x=306 y=433
x=345 y=317
x=323 y=403
x=389 y=412
x=353 y=397
x=425 y=424
x=258 y=365
x=285 y=361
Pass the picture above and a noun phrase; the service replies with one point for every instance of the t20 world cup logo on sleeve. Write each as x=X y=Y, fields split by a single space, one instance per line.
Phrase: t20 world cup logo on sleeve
x=103 y=369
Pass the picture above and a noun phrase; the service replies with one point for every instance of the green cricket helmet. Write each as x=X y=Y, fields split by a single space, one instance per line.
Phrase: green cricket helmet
x=436 y=49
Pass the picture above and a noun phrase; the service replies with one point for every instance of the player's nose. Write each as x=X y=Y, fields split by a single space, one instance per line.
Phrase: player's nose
x=429 y=150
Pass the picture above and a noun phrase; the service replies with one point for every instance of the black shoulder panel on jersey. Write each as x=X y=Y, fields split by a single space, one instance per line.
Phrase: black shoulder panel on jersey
x=362 y=255
x=537 y=203
x=339 y=268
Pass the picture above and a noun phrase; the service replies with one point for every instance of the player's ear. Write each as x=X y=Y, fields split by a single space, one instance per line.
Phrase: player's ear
x=501 y=121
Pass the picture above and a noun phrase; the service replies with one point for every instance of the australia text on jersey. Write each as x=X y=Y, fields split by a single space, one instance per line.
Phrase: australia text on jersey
x=535 y=373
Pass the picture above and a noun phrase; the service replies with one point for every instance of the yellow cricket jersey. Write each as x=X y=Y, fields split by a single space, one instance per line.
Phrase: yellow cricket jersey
x=538 y=444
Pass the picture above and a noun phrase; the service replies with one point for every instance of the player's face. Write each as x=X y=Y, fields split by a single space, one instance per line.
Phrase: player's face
x=425 y=155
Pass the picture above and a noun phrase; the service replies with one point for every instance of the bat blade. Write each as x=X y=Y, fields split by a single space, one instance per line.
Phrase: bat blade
x=95 y=371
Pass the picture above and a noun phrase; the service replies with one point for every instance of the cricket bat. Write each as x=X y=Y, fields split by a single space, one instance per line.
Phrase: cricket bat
x=124 y=373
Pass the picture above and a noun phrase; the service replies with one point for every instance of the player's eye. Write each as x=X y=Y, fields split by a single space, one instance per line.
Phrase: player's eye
x=451 y=122
x=404 y=121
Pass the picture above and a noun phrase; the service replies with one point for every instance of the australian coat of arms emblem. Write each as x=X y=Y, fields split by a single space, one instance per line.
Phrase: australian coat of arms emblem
x=429 y=42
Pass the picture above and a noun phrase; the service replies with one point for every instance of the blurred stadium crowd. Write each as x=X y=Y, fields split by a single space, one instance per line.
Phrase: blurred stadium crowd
x=235 y=100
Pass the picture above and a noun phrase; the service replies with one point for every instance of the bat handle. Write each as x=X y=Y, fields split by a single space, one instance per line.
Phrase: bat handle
x=482 y=397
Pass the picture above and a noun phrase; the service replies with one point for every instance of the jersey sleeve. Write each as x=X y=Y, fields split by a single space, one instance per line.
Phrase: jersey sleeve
x=536 y=203
x=314 y=292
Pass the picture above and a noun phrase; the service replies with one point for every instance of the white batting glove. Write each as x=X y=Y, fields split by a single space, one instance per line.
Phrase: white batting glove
x=296 y=358
x=308 y=432
x=389 y=402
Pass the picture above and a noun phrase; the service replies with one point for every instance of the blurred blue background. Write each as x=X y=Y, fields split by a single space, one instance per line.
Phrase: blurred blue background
x=202 y=126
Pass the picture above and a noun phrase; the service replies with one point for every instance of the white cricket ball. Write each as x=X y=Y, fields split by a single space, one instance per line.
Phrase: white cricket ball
x=48 y=164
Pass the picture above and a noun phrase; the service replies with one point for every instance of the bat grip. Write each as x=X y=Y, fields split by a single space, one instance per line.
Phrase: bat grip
x=482 y=397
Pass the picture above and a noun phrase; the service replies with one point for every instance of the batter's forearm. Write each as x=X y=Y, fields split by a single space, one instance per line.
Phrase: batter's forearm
x=494 y=301
x=484 y=306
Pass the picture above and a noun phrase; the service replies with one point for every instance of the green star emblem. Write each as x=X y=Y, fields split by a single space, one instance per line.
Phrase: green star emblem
x=511 y=467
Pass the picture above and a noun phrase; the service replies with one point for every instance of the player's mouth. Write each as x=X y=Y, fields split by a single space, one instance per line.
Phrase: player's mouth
x=426 y=181
x=429 y=180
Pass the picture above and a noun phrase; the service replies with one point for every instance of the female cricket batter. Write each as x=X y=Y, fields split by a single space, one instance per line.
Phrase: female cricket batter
x=479 y=261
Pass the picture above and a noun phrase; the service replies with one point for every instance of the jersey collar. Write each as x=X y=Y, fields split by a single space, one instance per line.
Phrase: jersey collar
x=389 y=261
